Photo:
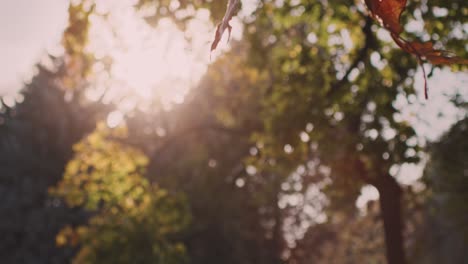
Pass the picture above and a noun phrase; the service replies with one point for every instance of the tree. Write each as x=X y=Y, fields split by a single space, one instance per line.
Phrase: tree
x=202 y=154
x=327 y=68
x=133 y=221
x=348 y=116
x=356 y=133
x=36 y=141
x=443 y=235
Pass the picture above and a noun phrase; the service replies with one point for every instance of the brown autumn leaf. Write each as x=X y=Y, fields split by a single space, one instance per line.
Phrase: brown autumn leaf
x=224 y=24
x=426 y=51
x=388 y=13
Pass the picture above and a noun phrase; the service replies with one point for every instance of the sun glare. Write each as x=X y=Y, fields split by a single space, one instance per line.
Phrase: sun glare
x=148 y=64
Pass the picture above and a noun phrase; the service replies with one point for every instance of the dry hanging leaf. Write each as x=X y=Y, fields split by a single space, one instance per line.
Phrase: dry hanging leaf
x=224 y=24
x=426 y=50
x=388 y=13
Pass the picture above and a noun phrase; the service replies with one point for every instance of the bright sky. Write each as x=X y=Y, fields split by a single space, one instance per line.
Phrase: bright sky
x=27 y=29
x=148 y=63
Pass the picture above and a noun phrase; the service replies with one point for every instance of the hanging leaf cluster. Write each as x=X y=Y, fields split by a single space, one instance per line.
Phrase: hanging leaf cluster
x=387 y=13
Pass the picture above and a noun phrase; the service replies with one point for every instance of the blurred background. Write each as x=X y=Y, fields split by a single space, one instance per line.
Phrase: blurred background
x=304 y=138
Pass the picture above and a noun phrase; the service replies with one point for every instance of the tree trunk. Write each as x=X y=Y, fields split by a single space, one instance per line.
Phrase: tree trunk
x=390 y=206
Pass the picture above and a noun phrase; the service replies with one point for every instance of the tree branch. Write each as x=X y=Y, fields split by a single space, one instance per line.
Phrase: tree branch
x=360 y=56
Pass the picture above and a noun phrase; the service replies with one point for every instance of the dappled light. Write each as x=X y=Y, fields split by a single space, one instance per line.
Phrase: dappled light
x=234 y=132
x=141 y=64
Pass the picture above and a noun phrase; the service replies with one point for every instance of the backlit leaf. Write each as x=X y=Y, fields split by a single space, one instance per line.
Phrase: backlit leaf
x=224 y=24
x=388 y=13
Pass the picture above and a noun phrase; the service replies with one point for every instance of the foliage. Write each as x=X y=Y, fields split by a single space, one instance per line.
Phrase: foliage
x=270 y=150
x=388 y=13
x=446 y=174
x=75 y=37
x=133 y=222
x=230 y=212
x=344 y=88
x=441 y=234
x=180 y=12
x=36 y=138
x=354 y=130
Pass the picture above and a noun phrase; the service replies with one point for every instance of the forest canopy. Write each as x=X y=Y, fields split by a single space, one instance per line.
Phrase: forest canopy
x=233 y=131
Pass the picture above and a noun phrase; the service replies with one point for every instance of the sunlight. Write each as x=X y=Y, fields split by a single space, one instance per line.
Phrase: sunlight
x=149 y=65
x=27 y=28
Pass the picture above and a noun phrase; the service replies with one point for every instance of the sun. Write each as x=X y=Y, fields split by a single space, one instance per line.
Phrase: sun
x=147 y=64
